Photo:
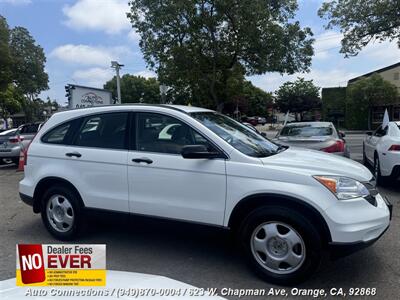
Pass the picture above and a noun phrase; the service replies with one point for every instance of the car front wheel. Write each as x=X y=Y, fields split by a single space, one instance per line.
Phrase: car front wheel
x=281 y=245
x=61 y=212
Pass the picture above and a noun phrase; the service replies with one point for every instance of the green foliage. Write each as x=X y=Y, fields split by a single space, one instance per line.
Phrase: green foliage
x=10 y=101
x=334 y=105
x=197 y=46
x=5 y=58
x=298 y=96
x=362 y=21
x=28 y=63
x=253 y=101
x=363 y=94
x=135 y=89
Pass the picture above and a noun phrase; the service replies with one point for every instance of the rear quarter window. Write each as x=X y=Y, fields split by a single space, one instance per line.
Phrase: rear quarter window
x=59 y=134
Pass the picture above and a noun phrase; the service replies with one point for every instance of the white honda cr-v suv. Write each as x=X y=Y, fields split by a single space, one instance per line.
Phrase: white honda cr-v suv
x=286 y=205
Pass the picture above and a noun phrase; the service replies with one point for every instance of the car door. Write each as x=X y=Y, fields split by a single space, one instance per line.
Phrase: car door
x=95 y=158
x=371 y=142
x=163 y=183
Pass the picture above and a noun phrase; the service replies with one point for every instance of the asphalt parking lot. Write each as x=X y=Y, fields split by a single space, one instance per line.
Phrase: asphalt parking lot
x=202 y=256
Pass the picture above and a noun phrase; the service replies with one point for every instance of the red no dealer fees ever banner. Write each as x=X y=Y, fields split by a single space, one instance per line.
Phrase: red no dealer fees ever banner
x=61 y=265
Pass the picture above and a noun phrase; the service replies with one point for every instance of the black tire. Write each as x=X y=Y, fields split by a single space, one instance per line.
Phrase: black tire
x=75 y=203
x=380 y=180
x=300 y=224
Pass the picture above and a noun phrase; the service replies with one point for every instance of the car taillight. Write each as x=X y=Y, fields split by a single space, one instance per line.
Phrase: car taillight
x=394 y=148
x=13 y=140
x=338 y=146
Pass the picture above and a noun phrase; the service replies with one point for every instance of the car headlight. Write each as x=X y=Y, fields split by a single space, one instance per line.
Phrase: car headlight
x=344 y=188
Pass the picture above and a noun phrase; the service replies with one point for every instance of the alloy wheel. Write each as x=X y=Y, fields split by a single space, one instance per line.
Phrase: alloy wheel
x=60 y=213
x=278 y=247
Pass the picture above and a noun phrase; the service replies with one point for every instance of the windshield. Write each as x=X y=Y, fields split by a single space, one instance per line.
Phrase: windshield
x=306 y=130
x=237 y=135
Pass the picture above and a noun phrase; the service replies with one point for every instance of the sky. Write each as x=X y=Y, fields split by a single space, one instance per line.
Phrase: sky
x=81 y=37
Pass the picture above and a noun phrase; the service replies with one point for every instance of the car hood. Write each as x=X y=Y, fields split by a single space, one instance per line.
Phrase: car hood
x=314 y=162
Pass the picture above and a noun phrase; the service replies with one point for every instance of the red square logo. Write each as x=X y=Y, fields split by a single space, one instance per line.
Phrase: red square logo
x=31 y=263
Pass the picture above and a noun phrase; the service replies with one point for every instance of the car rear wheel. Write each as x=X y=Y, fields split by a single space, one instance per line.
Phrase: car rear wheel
x=61 y=212
x=281 y=245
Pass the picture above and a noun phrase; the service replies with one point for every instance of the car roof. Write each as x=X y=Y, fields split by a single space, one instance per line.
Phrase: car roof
x=313 y=124
x=119 y=107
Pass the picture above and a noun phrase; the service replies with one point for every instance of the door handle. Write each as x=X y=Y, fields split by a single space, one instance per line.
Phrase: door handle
x=143 y=159
x=76 y=154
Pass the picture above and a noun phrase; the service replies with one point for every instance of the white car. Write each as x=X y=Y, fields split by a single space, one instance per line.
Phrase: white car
x=286 y=205
x=381 y=149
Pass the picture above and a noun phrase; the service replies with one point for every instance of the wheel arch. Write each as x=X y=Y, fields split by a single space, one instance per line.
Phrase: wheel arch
x=252 y=202
x=48 y=182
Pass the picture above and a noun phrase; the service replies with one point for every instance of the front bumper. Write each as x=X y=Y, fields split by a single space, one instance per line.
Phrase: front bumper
x=338 y=250
x=358 y=220
x=364 y=233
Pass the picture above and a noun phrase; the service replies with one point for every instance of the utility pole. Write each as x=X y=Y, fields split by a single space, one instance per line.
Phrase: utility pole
x=117 y=66
x=163 y=92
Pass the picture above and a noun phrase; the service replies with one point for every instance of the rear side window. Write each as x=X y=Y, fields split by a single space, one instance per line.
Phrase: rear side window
x=103 y=131
x=58 y=135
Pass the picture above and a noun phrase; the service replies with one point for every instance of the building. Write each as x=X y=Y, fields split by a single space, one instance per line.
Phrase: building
x=392 y=74
x=335 y=106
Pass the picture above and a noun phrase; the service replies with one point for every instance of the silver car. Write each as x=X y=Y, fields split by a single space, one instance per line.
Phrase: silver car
x=14 y=140
x=321 y=136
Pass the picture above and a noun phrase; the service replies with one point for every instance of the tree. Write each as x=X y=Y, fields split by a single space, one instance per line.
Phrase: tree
x=298 y=97
x=5 y=58
x=251 y=101
x=28 y=63
x=135 y=89
x=365 y=93
x=198 y=45
x=10 y=101
x=362 y=21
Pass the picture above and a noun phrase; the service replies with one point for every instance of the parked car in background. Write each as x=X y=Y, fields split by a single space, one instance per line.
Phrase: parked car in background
x=252 y=120
x=262 y=120
x=14 y=140
x=381 y=149
x=286 y=205
x=321 y=136
x=6 y=139
x=254 y=129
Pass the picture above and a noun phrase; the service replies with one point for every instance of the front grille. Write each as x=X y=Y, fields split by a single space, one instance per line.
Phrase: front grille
x=371 y=186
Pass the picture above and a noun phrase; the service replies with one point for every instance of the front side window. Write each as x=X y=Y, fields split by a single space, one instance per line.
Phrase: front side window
x=164 y=134
x=103 y=131
x=237 y=135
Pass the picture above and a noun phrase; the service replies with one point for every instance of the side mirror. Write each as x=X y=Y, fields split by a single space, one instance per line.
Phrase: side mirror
x=369 y=132
x=341 y=134
x=198 y=151
x=263 y=134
